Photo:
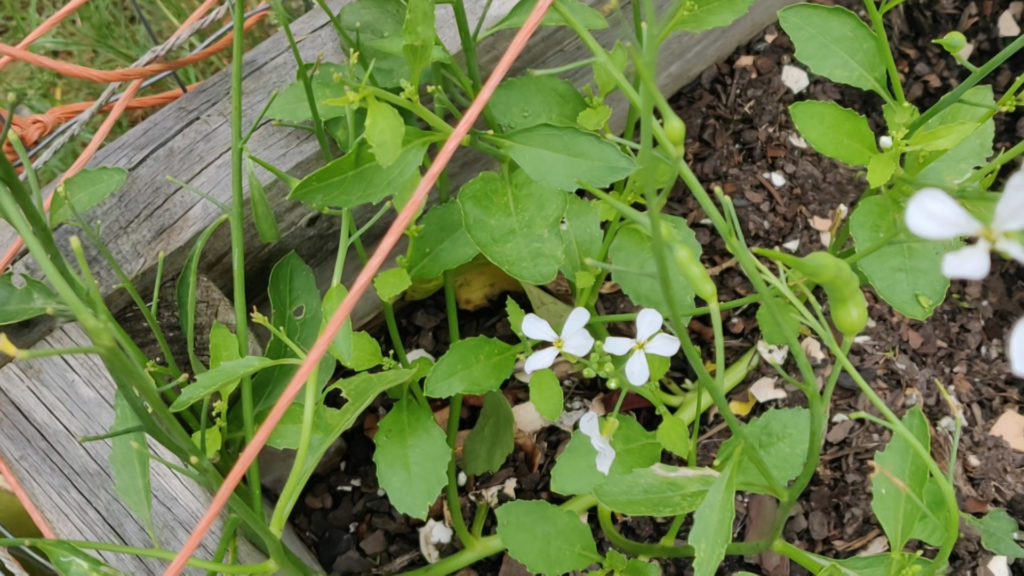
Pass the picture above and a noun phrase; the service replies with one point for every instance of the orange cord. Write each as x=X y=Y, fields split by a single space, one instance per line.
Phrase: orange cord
x=49 y=121
x=362 y=282
x=45 y=27
x=26 y=502
x=122 y=74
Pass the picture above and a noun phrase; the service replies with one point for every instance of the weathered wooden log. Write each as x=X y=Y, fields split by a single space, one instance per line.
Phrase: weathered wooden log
x=46 y=405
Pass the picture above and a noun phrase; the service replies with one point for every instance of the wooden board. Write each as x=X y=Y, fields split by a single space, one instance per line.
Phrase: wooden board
x=46 y=405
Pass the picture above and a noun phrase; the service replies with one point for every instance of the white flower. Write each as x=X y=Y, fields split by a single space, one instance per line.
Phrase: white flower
x=1015 y=349
x=574 y=339
x=591 y=428
x=934 y=215
x=649 y=340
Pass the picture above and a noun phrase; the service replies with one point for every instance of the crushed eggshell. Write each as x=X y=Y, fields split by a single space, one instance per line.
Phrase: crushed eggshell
x=999 y=566
x=812 y=348
x=764 y=389
x=794 y=78
x=433 y=534
x=772 y=354
x=1010 y=427
x=793 y=245
x=1007 y=24
x=776 y=178
x=528 y=419
x=745 y=61
x=797 y=141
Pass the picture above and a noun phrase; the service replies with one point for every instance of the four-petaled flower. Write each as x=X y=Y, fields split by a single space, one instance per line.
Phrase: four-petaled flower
x=934 y=215
x=574 y=339
x=649 y=340
x=591 y=428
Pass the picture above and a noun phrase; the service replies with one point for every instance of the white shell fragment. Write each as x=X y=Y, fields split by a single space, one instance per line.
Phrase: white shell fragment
x=1007 y=23
x=432 y=534
x=778 y=179
x=795 y=78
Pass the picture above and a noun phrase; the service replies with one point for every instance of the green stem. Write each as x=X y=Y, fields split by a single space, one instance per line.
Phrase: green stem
x=296 y=476
x=882 y=45
x=261 y=568
x=307 y=83
x=236 y=223
x=396 y=338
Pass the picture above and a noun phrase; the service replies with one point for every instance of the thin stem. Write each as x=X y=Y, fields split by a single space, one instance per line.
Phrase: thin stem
x=882 y=45
x=296 y=476
x=236 y=222
x=161 y=554
x=307 y=83
x=393 y=334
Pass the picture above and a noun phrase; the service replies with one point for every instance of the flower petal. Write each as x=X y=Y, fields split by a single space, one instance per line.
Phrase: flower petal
x=662 y=345
x=538 y=328
x=578 y=343
x=637 y=371
x=1015 y=348
x=605 y=458
x=618 y=346
x=590 y=425
x=1011 y=248
x=968 y=263
x=934 y=215
x=1009 y=215
x=577 y=319
x=540 y=360
x=648 y=322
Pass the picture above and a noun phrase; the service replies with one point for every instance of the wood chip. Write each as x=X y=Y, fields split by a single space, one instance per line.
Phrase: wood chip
x=1010 y=427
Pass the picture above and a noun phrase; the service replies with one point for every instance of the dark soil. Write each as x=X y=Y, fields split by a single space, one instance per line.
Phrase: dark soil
x=736 y=116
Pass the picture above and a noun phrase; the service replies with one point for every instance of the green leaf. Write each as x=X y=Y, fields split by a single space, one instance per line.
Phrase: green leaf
x=418 y=37
x=576 y=472
x=390 y=284
x=357 y=178
x=492 y=438
x=224 y=378
x=581 y=237
x=773 y=331
x=83 y=191
x=440 y=244
x=701 y=15
x=295 y=307
x=899 y=477
x=834 y=131
x=882 y=167
x=28 y=301
x=385 y=131
x=185 y=289
x=588 y=17
x=712 y=522
x=365 y=352
x=546 y=538
x=887 y=564
x=359 y=390
x=673 y=436
x=906 y=271
x=70 y=560
x=129 y=464
x=291 y=105
x=515 y=315
x=412 y=457
x=637 y=271
x=997 y=529
x=341 y=347
x=659 y=490
x=526 y=101
x=564 y=157
x=262 y=213
x=471 y=366
x=546 y=394
x=833 y=42
x=223 y=345
x=947 y=168
x=931 y=527
x=780 y=437
x=515 y=224
x=375 y=26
